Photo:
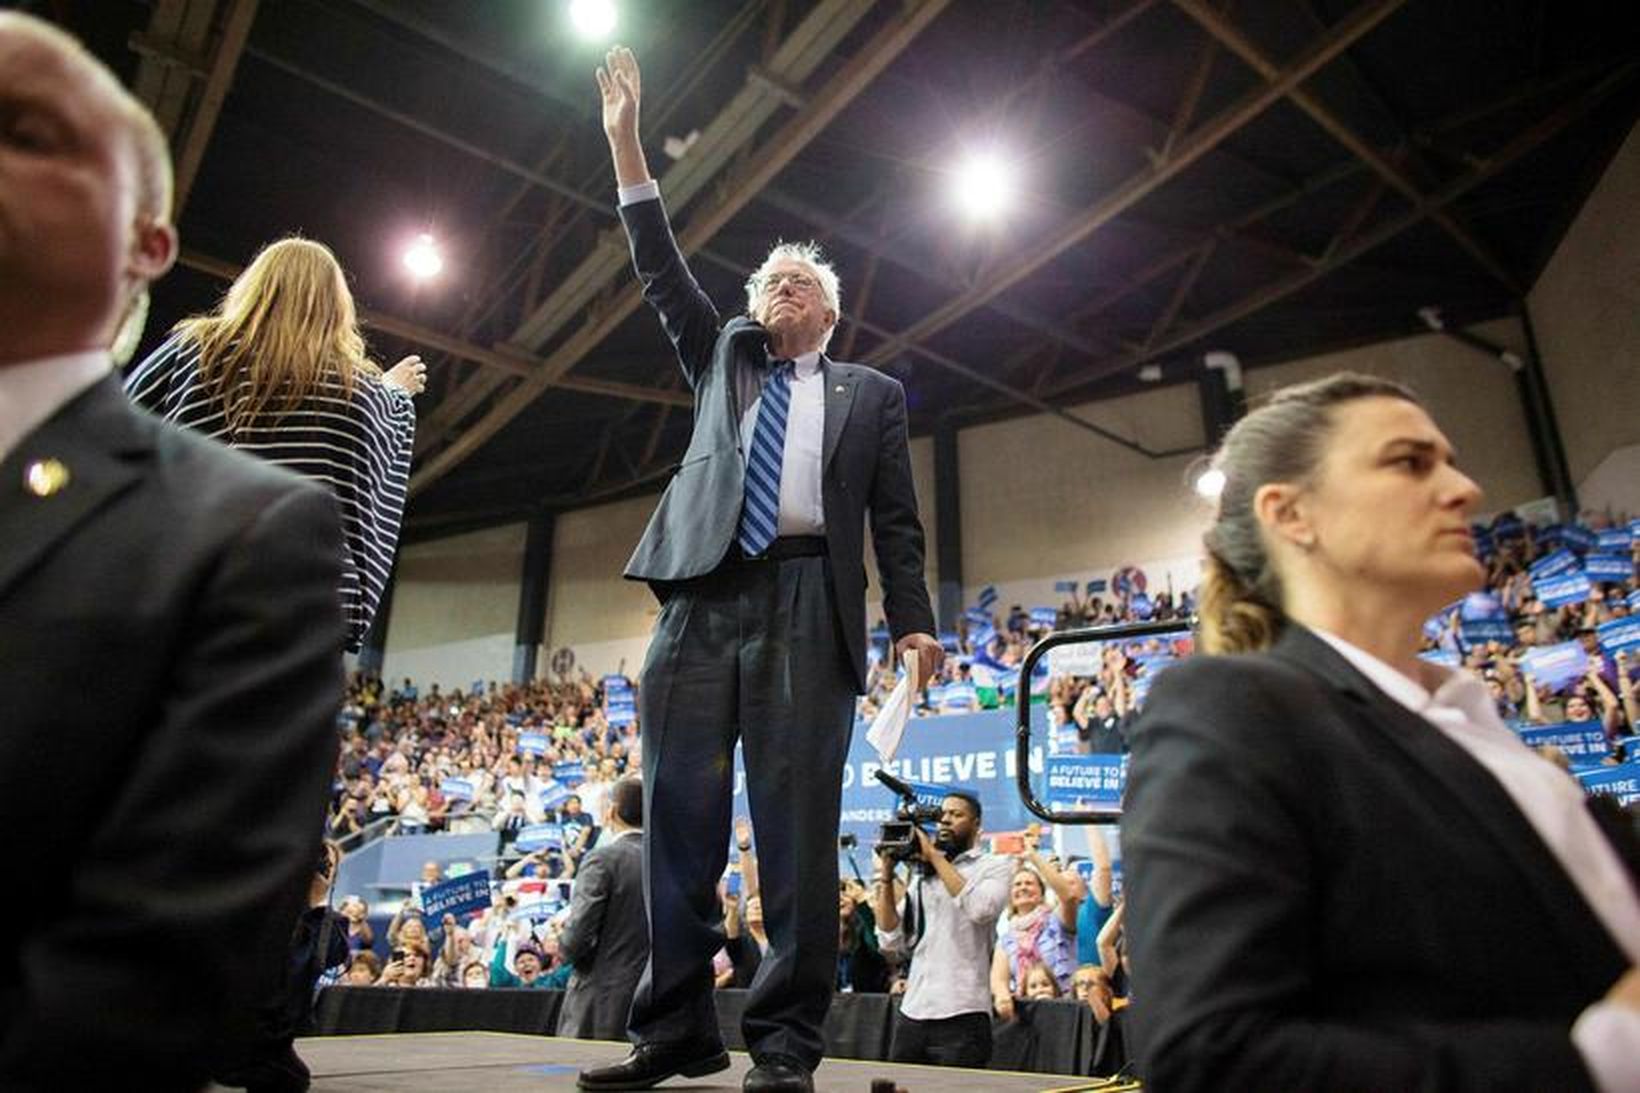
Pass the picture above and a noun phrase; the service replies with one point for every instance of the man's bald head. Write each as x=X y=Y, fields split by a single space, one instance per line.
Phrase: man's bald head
x=85 y=195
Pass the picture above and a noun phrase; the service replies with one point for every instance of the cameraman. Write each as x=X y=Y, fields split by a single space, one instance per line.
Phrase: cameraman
x=954 y=905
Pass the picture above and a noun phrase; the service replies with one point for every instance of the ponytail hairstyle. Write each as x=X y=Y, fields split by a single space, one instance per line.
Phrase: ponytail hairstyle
x=1284 y=440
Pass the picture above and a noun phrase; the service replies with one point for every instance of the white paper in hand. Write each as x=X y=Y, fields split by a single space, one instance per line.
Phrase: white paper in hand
x=889 y=725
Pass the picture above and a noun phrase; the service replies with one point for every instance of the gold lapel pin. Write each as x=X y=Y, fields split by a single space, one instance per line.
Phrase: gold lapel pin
x=44 y=477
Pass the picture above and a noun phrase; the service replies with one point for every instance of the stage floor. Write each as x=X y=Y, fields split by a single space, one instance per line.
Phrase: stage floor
x=498 y=1061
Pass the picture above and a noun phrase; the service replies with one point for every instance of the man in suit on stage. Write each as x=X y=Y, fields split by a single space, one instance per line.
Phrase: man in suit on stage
x=756 y=552
x=606 y=936
x=170 y=644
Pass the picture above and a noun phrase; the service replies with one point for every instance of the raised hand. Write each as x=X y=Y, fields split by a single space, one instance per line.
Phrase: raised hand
x=409 y=374
x=620 y=85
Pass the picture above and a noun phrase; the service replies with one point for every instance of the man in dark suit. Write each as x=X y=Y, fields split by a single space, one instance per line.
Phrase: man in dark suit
x=606 y=936
x=170 y=643
x=756 y=551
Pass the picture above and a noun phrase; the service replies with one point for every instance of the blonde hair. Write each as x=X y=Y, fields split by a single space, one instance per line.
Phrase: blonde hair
x=286 y=328
x=1284 y=440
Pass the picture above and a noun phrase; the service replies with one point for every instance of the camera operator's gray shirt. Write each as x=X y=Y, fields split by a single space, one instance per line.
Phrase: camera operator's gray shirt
x=951 y=972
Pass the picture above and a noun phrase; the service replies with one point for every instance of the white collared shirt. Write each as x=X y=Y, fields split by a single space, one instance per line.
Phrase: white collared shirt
x=32 y=391
x=1461 y=708
x=802 y=506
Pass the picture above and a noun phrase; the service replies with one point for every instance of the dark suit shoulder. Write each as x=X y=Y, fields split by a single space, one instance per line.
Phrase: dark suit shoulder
x=1251 y=693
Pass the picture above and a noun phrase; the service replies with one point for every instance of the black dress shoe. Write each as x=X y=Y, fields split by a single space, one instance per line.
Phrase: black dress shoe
x=779 y=1074
x=651 y=1064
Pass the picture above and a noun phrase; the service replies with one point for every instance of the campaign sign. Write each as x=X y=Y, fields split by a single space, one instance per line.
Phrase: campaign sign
x=1142 y=607
x=1619 y=635
x=540 y=836
x=1561 y=561
x=570 y=772
x=458 y=896
x=1508 y=526
x=1095 y=586
x=960 y=696
x=1554 y=666
x=554 y=793
x=1481 y=605
x=987 y=596
x=1044 y=616
x=950 y=642
x=982 y=635
x=1447 y=657
x=1433 y=627
x=1065 y=586
x=1078 y=783
x=1582 y=741
x=532 y=743
x=1634 y=600
x=1480 y=631
x=1608 y=567
x=1622 y=782
x=622 y=713
x=879 y=632
x=1614 y=541
x=1083 y=658
x=928 y=793
x=1562 y=590
x=457 y=789
x=1578 y=537
x=978 y=616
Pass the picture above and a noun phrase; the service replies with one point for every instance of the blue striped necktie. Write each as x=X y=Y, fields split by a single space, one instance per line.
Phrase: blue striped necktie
x=760 y=512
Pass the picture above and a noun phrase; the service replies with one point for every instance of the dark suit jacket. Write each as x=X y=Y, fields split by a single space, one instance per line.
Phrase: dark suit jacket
x=866 y=459
x=170 y=648
x=606 y=937
x=1325 y=892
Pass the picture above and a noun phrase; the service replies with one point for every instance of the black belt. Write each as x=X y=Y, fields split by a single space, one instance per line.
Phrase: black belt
x=787 y=546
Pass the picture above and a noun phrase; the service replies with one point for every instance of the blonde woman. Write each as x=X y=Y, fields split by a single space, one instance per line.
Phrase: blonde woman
x=1336 y=852
x=279 y=370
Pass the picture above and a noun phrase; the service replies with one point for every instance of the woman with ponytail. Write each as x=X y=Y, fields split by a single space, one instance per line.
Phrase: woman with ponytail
x=1335 y=852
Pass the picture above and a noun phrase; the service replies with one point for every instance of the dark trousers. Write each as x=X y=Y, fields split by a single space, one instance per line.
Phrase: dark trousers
x=963 y=1040
x=751 y=651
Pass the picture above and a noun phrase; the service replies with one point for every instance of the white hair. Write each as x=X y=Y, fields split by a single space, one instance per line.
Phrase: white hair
x=810 y=255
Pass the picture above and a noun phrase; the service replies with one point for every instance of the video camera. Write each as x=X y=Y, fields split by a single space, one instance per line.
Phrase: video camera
x=896 y=839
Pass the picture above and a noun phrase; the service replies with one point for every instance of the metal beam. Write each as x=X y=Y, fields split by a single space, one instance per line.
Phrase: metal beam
x=202 y=122
x=1223 y=31
x=1201 y=141
x=506 y=359
x=1488 y=166
x=172 y=49
x=609 y=259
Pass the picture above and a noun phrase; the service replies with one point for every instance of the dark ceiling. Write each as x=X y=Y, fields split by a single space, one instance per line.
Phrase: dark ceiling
x=1272 y=177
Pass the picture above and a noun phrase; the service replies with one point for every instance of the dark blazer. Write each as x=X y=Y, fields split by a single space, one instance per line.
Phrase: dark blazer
x=606 y=937
x=170 y=660
x=866 y=459
x=1325 y=892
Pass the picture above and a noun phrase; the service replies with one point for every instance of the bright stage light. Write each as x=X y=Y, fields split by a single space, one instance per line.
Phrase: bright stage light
x=423 y=259
x=593 y=19
x=983 y=186
x=1211 y=483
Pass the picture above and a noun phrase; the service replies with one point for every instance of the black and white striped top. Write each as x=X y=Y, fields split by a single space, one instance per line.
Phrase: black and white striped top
x=358 y=446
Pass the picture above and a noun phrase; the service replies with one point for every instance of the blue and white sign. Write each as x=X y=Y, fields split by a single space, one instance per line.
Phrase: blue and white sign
x=457 y=789
x=1634 y=600
x=1446 y=657
x=1065 y=586
x=1614 y=541
x=1620 y=635
x=987 y=596
x=1562 y=590
x=1555 y=666
x=1622 y=782
x=539 y=837
x=532 y=743
x=570 y=772
x=1577 y=537
x=960 y=696
x=1608 y=567
x=1083 y=783
x=1582 y=741
x=1044 y=616
x=1142 y=607
x=978 y=615
x=458 y=896
x=1096 y=586
x=553 y=793
x=1560 y=561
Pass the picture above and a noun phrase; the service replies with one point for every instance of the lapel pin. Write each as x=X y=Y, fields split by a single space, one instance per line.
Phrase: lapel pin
x=838 y=388
x=44 y=477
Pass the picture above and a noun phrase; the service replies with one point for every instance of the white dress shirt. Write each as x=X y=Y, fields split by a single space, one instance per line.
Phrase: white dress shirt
x=951 y=969
x=1461 y=708
x=802 y=508
x=32 y=391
